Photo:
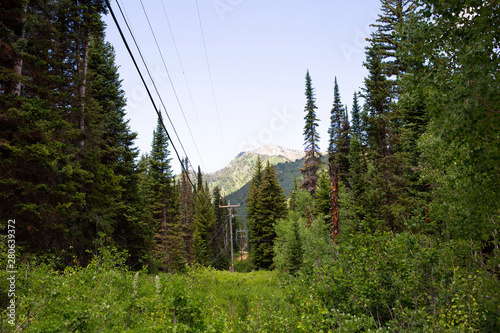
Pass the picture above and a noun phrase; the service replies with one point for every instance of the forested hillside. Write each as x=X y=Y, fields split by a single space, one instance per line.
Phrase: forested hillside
x=239 y=171
x=394 y=230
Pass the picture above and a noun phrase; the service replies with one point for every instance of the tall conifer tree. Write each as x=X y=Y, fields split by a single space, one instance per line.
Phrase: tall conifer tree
x=187 y=202
x=312 y=160
x=163 y=203
x=252 y=196
x=219 y=254
x=270 y=206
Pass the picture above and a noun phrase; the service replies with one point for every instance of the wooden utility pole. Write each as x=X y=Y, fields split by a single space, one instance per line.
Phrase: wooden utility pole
x=229 y=206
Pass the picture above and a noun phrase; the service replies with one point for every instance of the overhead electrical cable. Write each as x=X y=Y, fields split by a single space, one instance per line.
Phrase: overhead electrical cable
x=183 y=73
x=210 y=74
x=150 y=77
x=171 y=83
x=147 y=89
x=154 y=85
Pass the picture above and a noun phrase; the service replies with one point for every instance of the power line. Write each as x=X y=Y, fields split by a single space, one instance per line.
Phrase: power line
x=171 y=83
x=210 y=73
x=150 y=76
x=182 y=69
x=145 y=85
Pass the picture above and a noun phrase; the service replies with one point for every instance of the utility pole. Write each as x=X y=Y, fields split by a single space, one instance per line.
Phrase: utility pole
x=229 y=206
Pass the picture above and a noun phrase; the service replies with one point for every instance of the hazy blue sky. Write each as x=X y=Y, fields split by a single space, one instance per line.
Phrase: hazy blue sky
x=259 y=52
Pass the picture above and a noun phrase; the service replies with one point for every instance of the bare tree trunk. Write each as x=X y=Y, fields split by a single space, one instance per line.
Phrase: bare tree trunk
x=334 y=199
x=18 y=58
x=83 y=76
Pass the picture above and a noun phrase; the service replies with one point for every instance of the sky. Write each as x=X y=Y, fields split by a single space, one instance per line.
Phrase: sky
x=247 y=89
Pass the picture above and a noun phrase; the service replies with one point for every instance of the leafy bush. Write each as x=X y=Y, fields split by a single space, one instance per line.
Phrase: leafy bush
x=408 y=282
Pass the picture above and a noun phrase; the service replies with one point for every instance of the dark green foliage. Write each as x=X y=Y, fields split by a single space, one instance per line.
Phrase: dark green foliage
x=295 y=250
x=460 y=147
x=312 y=160
x=338 y=147
x=199 y=180
x=393 y=17
x=186 y=202
x=268 y=205
x=255 y=182
x=164 y=205
x=204 y=221
x=67 y=152
x=118 y=152
x=383 y=174
x=219 y=253
x=322 y=199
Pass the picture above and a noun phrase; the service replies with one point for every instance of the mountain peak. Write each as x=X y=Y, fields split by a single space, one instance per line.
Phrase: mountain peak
x=275 y=150
x=240 y=169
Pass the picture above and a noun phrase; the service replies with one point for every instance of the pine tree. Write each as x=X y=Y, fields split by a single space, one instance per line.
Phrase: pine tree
x=338 y=148
x=252 y=197
x=187 y=214
x=312 y=160
x=393 y=17
x=294 y=249
x=199 y=183
x=357 y=158
x=322 y=199
x=164 y=205
x=219 y=254
x=270 y=206
x=63 y=194
x=254 y=187
x=204 y=220
x=387 y=198
x=356 y=117
x=117 y=153
x=336 y=116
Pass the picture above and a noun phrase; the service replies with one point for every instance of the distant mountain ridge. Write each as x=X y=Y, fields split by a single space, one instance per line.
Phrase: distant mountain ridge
x=240 y=169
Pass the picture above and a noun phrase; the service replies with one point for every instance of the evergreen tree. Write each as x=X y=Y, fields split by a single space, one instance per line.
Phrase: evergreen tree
x=338 y=147
x=270 y=206
x=252 y=197
x=357 y=159
x=204 y=220
x=388 y=167
x=336 y=116
x=66 y=197
x=381 y=142
x=219 y=254
x=356 y=117
x=322 y=199
x=294 y=249
x=164 y=205
x=394 y=15
x=312 y=160
x=187 y=214
x=118 y=153
x=199 y=180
